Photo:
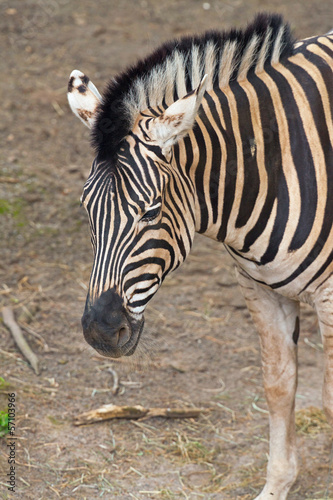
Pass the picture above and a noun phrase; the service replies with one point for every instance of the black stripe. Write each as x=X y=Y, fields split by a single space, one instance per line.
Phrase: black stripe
x=280 y=222
x=142 y=302
x=301 y=152
x=251 y=174
x=188 y=189
x=272 y=158
x=137 y=279
x=154 y=243
x=230 y=165
x=188 y=155
x=143 y=262
x=216 y=155
x=326 y=73
x=329 y=51
x=215 y=167
x=297 y=139
x=199 y=178
x=103 y=235
x=178 y=207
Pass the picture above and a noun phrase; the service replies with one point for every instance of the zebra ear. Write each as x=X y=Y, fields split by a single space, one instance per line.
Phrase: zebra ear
x=83 y=97
x=178 y=119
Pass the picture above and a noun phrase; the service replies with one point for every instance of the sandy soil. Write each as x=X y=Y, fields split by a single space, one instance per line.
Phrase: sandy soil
x=200 y=347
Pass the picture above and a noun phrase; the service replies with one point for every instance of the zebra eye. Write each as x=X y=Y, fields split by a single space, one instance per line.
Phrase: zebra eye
x=151 y=214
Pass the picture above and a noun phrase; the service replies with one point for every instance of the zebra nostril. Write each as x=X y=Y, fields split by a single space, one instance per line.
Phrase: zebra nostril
x=123 y=336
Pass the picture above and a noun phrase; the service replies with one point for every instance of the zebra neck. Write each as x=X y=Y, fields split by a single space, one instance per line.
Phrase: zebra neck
x=227 y=167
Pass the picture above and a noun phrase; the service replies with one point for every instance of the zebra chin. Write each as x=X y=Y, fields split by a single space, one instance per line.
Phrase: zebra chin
x=109 y=328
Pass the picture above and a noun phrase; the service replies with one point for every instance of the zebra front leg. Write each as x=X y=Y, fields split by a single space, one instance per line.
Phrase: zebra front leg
x=277 y=320
x=324 y=308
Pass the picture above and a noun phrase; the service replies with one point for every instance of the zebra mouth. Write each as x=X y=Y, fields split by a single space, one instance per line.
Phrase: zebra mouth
x=134 y=345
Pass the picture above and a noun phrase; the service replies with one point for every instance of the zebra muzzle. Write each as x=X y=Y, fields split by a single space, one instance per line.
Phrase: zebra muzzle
x=108 y=328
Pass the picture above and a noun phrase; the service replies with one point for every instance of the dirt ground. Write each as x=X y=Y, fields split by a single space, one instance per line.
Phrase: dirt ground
x=199 y=347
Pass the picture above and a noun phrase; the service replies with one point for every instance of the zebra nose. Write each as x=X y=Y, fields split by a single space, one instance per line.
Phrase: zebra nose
x=112 y=332
x=105 y=324
x=108 y=326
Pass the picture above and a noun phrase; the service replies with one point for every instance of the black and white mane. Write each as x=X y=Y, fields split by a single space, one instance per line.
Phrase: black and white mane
x=177 y=67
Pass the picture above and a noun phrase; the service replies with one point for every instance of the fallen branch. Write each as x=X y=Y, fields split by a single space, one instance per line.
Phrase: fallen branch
x=15 y=330
x=110 y=411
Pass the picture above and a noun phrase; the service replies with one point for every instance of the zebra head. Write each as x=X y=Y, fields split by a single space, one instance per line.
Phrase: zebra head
x=141 y=211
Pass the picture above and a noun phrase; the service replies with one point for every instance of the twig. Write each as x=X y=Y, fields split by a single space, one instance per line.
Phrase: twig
x=220 y=389
x=10 y=354
x=9 y=180
x=15 y=330
x=318 y=347
x=34 y=334
x=110 y=411
x=115 y=387
x=114 y=360
x=256 y=407
x=213 y=339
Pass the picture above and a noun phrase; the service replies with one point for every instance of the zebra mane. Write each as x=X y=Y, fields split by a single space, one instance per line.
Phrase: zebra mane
x=177 y=67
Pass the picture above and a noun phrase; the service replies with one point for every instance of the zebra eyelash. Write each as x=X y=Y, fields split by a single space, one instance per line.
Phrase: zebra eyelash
x=152 y=213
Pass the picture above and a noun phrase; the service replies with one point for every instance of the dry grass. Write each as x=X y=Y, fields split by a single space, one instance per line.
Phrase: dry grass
x=189 y=450
x=311 y=421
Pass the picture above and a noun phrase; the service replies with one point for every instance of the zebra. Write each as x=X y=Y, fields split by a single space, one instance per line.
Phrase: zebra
x=228 y=134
